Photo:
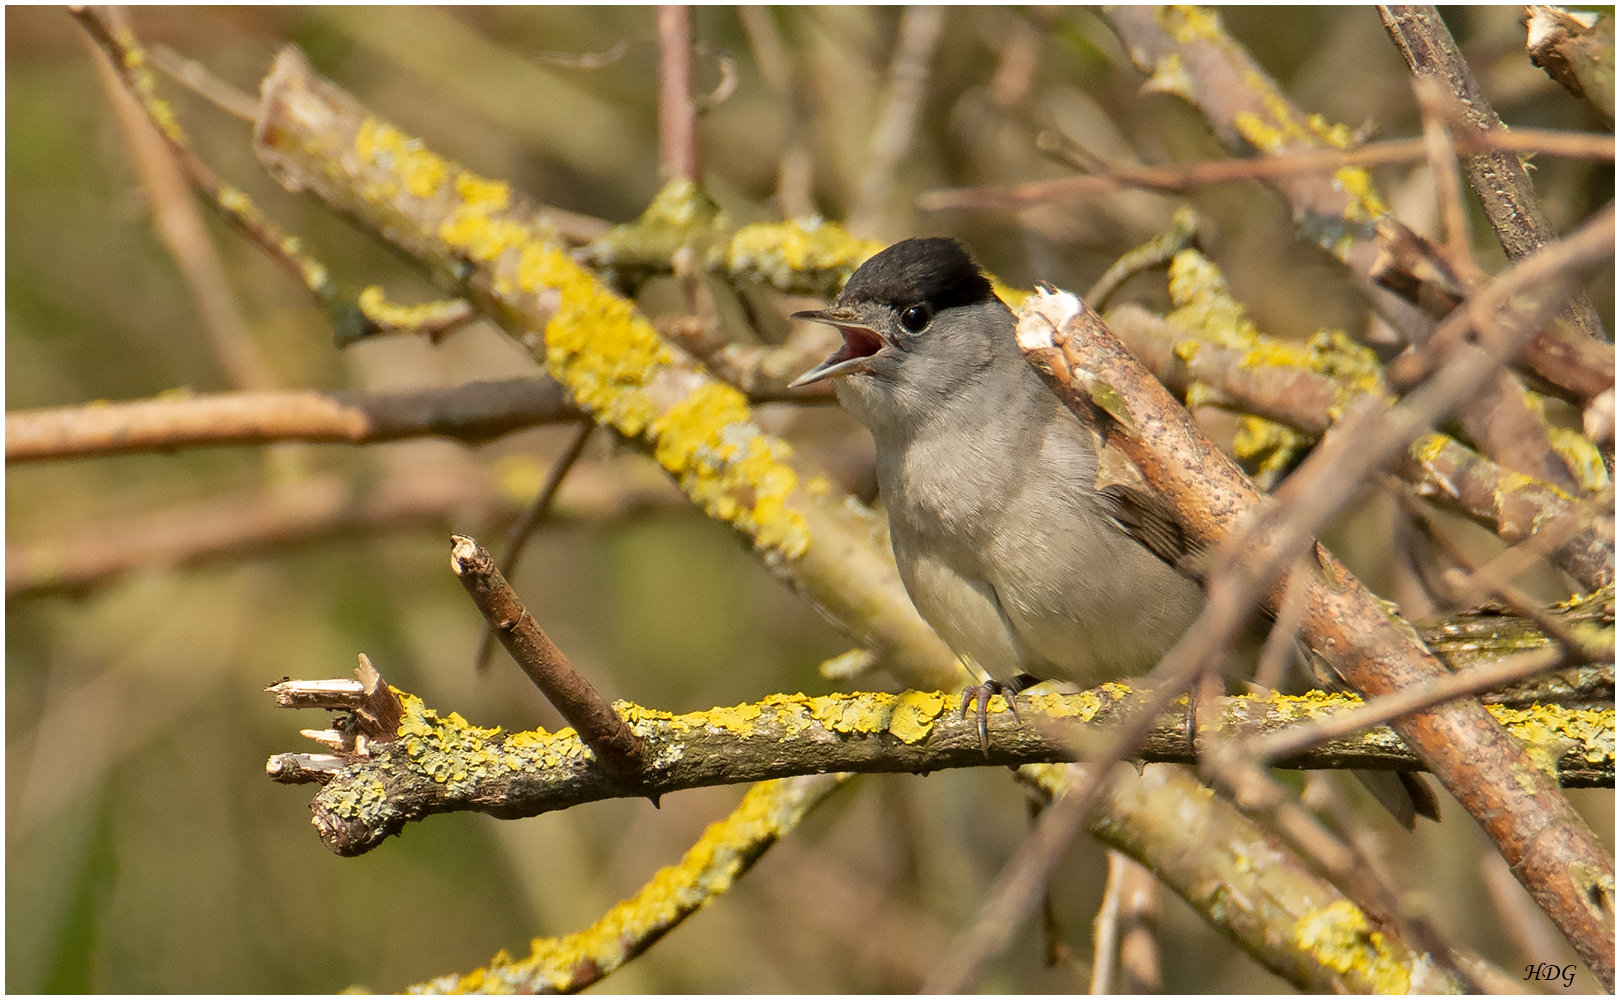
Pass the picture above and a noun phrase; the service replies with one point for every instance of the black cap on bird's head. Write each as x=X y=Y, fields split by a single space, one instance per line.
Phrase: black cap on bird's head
x=894 y=294
x=937 y=270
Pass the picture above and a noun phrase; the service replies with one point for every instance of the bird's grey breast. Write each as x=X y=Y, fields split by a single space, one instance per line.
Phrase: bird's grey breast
x=1006 y=553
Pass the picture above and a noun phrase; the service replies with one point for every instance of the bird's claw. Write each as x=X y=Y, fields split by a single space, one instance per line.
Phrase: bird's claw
x=981 y=693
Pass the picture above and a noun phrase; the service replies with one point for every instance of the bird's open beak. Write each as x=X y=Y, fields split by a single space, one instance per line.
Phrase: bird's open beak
x=861 y=342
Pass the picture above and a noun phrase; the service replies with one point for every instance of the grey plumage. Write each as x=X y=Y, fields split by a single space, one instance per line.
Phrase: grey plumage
x=1005 y=543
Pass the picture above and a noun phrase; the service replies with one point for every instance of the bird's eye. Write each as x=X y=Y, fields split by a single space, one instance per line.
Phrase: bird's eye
x=916 y=318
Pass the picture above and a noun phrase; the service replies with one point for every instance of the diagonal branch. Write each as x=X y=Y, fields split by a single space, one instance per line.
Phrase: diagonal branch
x=1544 y=840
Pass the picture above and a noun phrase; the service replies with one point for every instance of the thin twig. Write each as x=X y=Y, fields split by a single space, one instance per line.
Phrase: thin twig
x=1181 y=234
x=1278 y=652
x=584 y=60
x=1435 y=691
x=517 y=537
x=1105 y=930
x=130 y=61
x=598 y=725
x=233 y=528
x=1139 y=927
x=1447 y=186
x=677 y=118
x=211 y=88
x=1178 y=178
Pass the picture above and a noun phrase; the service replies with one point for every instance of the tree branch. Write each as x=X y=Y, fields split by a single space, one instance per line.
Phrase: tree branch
x=472 y=413
x=1544 y=840
x=441 y=765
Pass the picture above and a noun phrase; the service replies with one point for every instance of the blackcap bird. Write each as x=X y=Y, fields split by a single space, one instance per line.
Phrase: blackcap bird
x=1011 y=544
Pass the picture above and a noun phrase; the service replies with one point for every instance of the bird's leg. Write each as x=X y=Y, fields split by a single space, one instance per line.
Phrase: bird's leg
x=981 y=693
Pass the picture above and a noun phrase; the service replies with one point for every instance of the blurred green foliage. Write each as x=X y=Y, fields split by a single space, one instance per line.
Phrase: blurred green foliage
x=145 y=849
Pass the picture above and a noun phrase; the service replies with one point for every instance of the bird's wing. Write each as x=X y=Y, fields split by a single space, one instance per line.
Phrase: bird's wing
x=1141 y=516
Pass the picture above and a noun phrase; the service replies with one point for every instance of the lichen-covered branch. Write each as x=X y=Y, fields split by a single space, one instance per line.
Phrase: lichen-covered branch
x=1233 y=366
x=727 y=849
x=315 y=137
x=1287 y=917
x=1514 y=506
x=448 y=765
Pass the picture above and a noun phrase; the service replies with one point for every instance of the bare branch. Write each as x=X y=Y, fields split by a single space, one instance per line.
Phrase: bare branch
x=1107 y=177
x=1498 y=178
x=473 y=414
x=597 y=724
x=677 y=118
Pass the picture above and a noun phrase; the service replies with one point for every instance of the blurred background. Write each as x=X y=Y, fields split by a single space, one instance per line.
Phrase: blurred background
x=146 y=851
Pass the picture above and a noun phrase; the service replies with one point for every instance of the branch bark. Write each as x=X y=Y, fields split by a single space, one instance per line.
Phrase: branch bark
x=472 y=413
x=524 y=774
x=1543 y=839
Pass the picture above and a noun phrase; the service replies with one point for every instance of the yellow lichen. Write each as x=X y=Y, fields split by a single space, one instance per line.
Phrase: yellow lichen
x=1260 y=134
x=681 y=205
x=914 y=715
x=847 y=713
x=475 y=227
x=1428 y=448
x=1363 y=204
x=1186 y=23
x=739 y=720
x=1582 y=456
x=796 y=254
x=1549 y=731
x=402 y=156
x=1170 y=76
x=1271 y=445
x=706 y=870
x=1204 y=305
x=731 y=468
x=1339 y=937
x=375 y=306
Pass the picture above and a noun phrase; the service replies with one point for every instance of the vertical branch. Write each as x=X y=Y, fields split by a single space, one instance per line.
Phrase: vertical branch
x=677 y=118
x=1499 y=178
x=1105 y=930
x=1442 y=157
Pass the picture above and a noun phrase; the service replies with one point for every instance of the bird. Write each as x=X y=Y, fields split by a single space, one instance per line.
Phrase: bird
x=1028 y=553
